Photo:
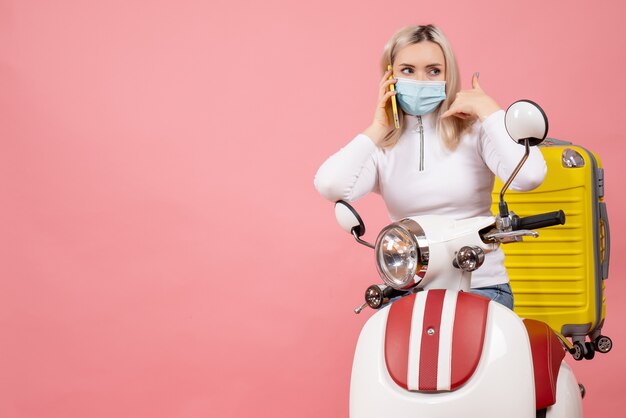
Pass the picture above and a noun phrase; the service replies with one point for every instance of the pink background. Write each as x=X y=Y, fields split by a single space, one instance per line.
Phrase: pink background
x=164 y=252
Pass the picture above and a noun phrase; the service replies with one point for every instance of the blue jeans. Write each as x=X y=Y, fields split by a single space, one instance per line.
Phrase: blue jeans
x=500 y=293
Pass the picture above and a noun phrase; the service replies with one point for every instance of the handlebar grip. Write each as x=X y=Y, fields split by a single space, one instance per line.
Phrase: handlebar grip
x=540 y=221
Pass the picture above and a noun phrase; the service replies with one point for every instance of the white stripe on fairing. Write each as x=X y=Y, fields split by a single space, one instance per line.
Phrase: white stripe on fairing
x=444 y=364
x=415 y=340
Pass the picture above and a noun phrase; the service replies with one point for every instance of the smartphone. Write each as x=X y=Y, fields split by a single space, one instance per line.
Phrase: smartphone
x=394 y=104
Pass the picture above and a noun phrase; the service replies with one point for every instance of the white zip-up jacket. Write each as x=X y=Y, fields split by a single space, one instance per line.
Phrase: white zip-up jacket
x=438 y=181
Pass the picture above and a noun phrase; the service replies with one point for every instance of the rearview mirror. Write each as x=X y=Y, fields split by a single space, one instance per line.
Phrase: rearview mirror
x=526 y=120
x=349 y=219
x=527 y=124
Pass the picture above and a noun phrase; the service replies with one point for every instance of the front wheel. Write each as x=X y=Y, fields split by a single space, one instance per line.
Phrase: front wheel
x=577 y=351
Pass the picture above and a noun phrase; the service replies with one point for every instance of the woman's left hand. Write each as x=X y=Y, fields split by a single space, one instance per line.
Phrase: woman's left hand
x=472 y=103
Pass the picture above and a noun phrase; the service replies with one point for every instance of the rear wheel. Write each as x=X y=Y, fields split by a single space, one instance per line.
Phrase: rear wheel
x=590 y=351
x=603 y=344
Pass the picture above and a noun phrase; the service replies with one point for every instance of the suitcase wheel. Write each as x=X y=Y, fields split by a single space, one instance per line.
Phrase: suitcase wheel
x=577 y=351
x=603 y=344
x=590 y=351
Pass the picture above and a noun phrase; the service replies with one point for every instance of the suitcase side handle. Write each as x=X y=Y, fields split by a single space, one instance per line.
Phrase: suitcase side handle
x=604 y=219
x=539 y=221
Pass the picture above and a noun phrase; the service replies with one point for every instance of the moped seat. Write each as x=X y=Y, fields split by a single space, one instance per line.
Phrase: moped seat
x=548 y=353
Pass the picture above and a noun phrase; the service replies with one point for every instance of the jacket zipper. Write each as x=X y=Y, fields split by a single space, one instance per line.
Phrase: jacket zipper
x=420 y=129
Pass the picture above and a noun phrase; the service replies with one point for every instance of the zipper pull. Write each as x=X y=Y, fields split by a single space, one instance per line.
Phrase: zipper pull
x=418 y=128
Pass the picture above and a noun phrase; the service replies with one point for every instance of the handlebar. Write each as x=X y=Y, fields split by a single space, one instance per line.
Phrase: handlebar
x=539 y=221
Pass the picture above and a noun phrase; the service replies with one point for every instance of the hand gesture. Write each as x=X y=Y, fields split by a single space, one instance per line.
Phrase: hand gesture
x=473 y=103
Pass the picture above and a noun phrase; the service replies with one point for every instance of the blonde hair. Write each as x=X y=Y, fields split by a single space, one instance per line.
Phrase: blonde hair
x=449 y=129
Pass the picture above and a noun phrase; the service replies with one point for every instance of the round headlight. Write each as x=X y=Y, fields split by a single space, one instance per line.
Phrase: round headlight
x=397 y=256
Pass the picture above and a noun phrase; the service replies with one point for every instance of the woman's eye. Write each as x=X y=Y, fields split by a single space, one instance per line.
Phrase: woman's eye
x=407 y=71
x=435 y=71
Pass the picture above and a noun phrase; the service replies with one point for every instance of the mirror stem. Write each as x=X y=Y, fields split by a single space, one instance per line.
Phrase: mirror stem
x=504 y=210
x=360 y=241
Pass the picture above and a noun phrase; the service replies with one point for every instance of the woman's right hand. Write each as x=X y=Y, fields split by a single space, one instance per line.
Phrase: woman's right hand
x=383 y=121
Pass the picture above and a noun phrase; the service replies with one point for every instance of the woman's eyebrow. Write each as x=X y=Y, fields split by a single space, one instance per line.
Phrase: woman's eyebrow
x=429 y=65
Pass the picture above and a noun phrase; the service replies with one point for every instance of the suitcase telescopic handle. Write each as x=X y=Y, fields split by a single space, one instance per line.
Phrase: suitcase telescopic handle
x=539 y=221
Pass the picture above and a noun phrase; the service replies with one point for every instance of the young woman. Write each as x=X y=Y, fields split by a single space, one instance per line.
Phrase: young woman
x=443 y=158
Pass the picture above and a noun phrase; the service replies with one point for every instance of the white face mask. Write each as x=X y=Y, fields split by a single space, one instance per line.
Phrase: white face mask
x=419 y=97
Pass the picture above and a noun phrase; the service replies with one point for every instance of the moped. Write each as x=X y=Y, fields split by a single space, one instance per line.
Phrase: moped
x=435 y=350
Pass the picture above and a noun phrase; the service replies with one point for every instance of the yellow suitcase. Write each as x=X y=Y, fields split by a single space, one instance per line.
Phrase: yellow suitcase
x=558 y=278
